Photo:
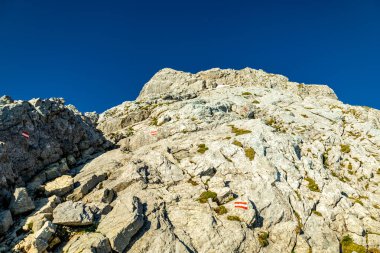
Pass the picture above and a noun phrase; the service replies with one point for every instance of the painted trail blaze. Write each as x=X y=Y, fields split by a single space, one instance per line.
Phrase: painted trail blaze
x=25 y=134
x=242 y=205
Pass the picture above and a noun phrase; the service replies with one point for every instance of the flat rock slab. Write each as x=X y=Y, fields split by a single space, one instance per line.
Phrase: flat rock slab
x=60 y=186
x=123 y=222
x=73 y=214
x=90 y=242
x=21 y=202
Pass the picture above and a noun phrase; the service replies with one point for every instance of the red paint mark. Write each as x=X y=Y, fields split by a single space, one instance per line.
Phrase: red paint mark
x=25 y=134
x=242 y=205
x=153 y=133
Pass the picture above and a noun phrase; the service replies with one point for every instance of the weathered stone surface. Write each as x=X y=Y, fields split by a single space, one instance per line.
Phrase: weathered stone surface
x=194 y=145
x=60 y=186
x=6 y=221
x=55 y=131
x=39 y=241
x=123 y=222
x=21 y=202
x=73 y=214
x=89 y=242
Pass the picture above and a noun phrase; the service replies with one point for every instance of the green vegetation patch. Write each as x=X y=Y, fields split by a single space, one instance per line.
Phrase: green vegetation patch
x=246 y=93
x=238 y=131
x=345 y=148
x=250 y=153
x=220 y=210
x=348 y=246
x=316 y=213
x=312 y=185
x=263 y=239
x=192 y=182
x=202 y=148
x=153 y=121
x=237 y=143
x=233 y=218
x=299 y=221
x=207 y=195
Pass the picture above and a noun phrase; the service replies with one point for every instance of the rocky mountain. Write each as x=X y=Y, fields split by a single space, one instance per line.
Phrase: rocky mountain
x=218 y=161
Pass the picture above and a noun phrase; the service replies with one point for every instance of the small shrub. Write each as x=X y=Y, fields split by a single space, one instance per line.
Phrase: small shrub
x=345 y=148
x=220 y=210
x=349 y=246
x=312 y=185
x=246 y=93
x=316 y=213
x=233 y=218
x=250 y=153
x=202 y=148
x=263 y=239
x=228 y=137
x=193 y=119
x=377 y=206
x=255 y=102
x=378 y=171
x=373 y=250
x=238 y=131
x=237 y=143
x=207 y=195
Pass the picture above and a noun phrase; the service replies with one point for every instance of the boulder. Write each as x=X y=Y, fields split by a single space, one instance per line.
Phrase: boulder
x=6 y=221
x=89 y=242
x=60 y=186
x=123 y=222
x=73 y=214
x=21 y=202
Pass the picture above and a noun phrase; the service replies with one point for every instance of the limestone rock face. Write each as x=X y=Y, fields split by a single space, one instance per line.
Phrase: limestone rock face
x=37 y=133
x=217 y=161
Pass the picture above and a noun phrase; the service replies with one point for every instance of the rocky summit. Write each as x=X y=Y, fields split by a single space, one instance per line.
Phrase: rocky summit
x=217 y=161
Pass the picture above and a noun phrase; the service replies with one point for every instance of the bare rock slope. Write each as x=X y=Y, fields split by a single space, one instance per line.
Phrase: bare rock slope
x=218 y=161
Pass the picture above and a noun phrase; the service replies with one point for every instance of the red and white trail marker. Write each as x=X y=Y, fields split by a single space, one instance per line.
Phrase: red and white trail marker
x=153 y=132
x=25 y=134
x=242 y=205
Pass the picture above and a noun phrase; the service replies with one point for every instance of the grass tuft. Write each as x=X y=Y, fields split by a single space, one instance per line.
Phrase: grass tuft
x=312 y=185
x=348 y=246
x=202 y=148
x=233 y=218
x=220 y=210
x=263 y=239
x=207 y=195
x=345 y=148
x=238 y=131
x=250 y=153
x=237 y=143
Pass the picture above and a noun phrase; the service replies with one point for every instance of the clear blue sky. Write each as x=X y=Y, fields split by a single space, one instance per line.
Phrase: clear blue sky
x=97 y=54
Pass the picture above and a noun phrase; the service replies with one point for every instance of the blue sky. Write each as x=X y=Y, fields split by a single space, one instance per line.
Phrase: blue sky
x=97 y=54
